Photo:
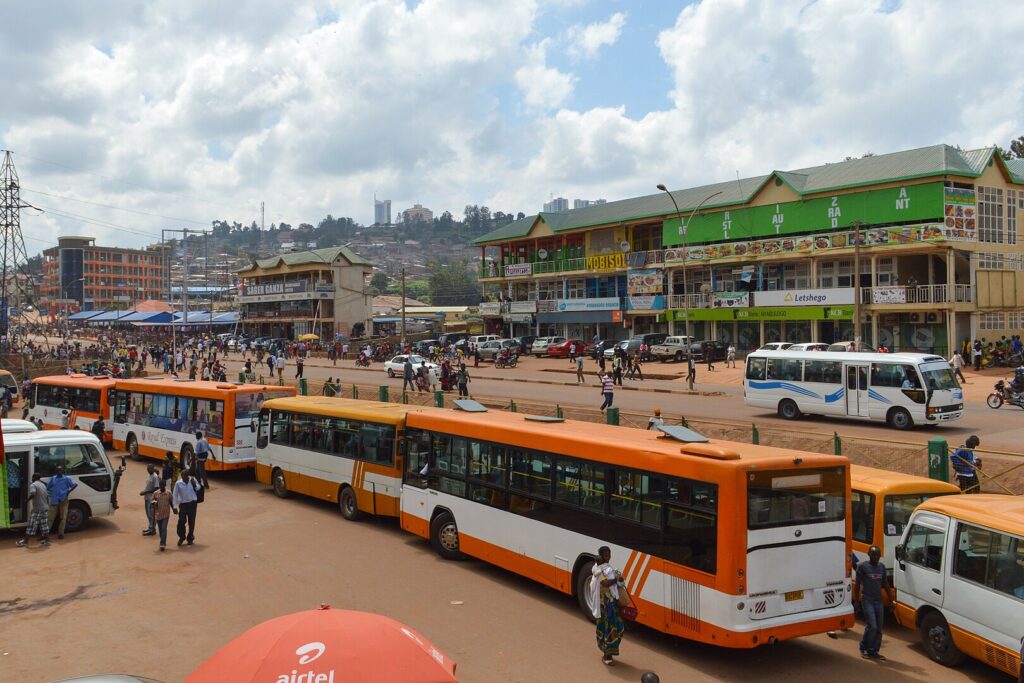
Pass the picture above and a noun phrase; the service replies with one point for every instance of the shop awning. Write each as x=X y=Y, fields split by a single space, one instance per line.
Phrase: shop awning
x=150 y=317
x=83 y=315
x=109 y=316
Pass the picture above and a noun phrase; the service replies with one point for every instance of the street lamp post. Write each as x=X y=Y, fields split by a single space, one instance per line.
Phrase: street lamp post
x=67 y=328
x=683 y=227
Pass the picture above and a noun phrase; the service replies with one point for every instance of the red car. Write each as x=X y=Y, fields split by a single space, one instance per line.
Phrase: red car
x=561 y=349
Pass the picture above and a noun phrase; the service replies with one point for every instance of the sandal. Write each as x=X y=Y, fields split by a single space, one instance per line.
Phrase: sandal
x=607 y=661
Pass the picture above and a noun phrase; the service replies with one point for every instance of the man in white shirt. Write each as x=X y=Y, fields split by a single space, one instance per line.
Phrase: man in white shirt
x=280 y=366
x=656 y=421
x=184 y=502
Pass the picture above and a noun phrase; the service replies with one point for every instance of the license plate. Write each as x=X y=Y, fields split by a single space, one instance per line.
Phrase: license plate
x=794 y=595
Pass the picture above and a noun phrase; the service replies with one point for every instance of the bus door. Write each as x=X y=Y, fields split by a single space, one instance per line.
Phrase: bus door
x=920 y=568
x=856 y=389
x=18 y=480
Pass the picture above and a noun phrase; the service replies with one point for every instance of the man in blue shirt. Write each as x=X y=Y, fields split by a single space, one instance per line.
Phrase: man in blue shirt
x=202 y=454
x=871 y=581
x=60 y=487
x=965 y=465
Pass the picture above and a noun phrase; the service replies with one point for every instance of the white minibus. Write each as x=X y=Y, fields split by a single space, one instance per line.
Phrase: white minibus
x=960 y=579
x=901 y=389
x=84 y=460
x=13 y=426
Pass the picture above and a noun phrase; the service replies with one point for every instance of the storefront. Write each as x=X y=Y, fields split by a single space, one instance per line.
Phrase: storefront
x=583 y=318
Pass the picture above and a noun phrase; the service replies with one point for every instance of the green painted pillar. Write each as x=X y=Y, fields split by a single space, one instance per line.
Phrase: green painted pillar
x=612 y=415
x=837 y=443
x=355 y=391
x=382 y=393
x=512 y=407
x=558 y=411
x=303 y=387
x=405 y=396
x=439 y=398
x=755 y=438
x=241 y=376
x=938 y=459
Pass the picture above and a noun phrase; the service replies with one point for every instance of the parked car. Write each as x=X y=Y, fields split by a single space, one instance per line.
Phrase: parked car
x=396 y=366
x=481 y=338
x=540 y=345
x=561 y=349
x=809 y=346
x=652 y=338
x=525 y=342
x=852 y=346
x=605 y=344
x=452 y=338
x=489 y=350
x=775 y=346
x=424 y=345
x=672 y=348
x=701 y=349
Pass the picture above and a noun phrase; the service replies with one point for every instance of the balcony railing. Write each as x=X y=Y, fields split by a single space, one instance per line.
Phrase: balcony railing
x=918 y=294
x=698 y=300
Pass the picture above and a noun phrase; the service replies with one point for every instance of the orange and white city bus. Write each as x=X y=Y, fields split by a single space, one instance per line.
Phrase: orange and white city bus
x=8 y=381
x=89 y=396
x=881 y=503
x=341 y=450
x=725 y=543
x=156 y=415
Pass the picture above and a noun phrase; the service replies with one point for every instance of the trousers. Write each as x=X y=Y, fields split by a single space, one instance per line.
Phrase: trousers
x=187 y=513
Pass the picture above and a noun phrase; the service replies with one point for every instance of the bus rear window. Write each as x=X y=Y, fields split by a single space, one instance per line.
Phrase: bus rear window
x=249 y=403
x=788 y=497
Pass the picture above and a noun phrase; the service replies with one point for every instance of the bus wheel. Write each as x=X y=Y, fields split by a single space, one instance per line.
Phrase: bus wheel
x=277 y=481
x=583 y=595
x=78 y=516
x=938 y=641
x=133 y=447
x=348 y=504
x=187 y=457
x=444 y=536
x=900 y=419
x=788 y=409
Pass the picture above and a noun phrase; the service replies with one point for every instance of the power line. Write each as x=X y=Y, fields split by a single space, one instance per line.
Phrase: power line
x=97 y=222
x=118 y=208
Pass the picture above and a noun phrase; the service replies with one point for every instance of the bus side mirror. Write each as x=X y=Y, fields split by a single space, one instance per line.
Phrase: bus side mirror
x=901 y=555
x=262 y=442
x=252 y=425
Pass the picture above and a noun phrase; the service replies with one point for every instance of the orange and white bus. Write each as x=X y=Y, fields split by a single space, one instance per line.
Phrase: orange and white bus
x=341 y=450
x=156 y=415
x=89 y=396
x=7 y=381
x=881 y=503
x=725 y=543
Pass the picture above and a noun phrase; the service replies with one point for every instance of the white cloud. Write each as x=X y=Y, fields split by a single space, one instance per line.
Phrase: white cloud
x=542 y=86
x=586 y=41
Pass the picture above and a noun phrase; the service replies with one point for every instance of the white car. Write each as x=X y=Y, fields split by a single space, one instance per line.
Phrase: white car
x=396 y=366
x=541 y=344
x=809 y=346
x=775 y=346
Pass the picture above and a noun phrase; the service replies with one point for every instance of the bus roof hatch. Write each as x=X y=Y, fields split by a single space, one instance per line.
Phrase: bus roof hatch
x=684 y=434
x=470 y=406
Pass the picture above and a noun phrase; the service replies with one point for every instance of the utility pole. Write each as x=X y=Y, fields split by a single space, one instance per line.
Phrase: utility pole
x=263 y=217
x=13 y=252
x=402 y=342
x=856 y=285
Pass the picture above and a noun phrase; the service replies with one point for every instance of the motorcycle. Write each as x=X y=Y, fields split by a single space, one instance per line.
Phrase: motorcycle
x=362 y=362
x=506 y=361
x=1002 y=394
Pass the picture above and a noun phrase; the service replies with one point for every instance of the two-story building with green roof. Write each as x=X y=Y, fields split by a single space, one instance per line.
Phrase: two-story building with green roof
x=771 y=258
x=319 y=291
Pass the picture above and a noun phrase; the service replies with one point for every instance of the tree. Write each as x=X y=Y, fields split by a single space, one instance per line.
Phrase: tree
x=453 y=283
x=379 y=283
x=1016 y=150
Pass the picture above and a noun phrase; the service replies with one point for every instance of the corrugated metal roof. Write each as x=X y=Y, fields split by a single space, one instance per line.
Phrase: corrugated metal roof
x=299 y=258
x=936 y=160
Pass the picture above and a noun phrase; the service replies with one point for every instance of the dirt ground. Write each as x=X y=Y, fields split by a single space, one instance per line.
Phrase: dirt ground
x=106 y=600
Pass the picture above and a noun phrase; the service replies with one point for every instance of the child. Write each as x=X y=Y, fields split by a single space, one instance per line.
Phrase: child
x=162 y=512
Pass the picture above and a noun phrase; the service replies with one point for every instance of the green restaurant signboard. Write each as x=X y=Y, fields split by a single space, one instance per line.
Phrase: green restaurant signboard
x=920 y=202
x=765 y=313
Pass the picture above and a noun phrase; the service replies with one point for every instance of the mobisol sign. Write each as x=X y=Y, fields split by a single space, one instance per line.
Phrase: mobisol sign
x=805 y=297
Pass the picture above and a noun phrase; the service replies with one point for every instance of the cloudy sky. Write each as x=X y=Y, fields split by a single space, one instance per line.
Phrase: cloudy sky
x=126 y=117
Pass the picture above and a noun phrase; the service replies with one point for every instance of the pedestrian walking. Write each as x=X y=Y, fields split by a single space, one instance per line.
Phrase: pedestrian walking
x=617 y=368
x=977 y=355
x=152 y=486
x=966 y=464
x=184 y=502
x=709 y=356
x=344 y=351
x=161 y=505
x=167 y=473
x=298 y=367
x=871 y=581
x=730 y=356
x=408 y=375
x=59 y=487
x=432 y=377
x=579 y=369
x=635 y=368
x=203 y=453
x=604 y=589
x=572 y=353
x=39 y=513
x=279 y=364
x=607 y=390
x=99 y=428
x=691 y=371
x=656 y=420
x=957 y=363
x=463 y=380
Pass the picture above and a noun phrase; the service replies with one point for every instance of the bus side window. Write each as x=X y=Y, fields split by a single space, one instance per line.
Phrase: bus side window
x=48 y=459
x=863 y=509
x=924 y=547
x=756 y=368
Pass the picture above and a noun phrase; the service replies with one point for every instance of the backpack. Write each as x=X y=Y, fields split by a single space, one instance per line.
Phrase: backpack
x=200 y=490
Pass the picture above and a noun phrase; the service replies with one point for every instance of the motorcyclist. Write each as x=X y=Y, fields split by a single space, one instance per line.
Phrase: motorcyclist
x=504 y=356
x=1017 y=384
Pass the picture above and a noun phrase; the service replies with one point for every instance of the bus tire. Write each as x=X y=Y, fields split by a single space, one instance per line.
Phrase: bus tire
x=78 y=516
x=188 y=458
x=938 y=641
x=348 y=504
x=899 y=418
x=444 y=536
x=582 y=581
x=278 y=483
x=132 y=445
x=788 y=409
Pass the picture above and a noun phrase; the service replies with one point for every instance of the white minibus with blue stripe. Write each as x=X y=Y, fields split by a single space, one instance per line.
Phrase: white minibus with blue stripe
x=900 y=389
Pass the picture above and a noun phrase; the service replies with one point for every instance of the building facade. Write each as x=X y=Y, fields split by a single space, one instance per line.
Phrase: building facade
x=417 y=213
x=557 y=205
x=926 y=238
x=584 y=203
x=321 y=291
x=80 y=275
x=382 y=212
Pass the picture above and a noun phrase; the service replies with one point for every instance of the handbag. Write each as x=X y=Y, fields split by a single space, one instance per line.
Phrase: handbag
x=629 y=610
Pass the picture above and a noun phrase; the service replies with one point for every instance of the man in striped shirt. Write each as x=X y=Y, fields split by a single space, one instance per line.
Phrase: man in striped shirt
x=607 y=389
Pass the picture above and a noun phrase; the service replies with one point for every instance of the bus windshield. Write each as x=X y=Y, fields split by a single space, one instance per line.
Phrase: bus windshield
x=249 y=403
x=788 y=497
x=939 y=377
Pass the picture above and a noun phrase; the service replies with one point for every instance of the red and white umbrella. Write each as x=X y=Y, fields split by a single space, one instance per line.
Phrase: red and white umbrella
x=327 y=646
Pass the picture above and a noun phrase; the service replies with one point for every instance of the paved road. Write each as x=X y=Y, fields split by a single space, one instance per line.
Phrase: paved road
x=721 y=398
x=106 y=600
